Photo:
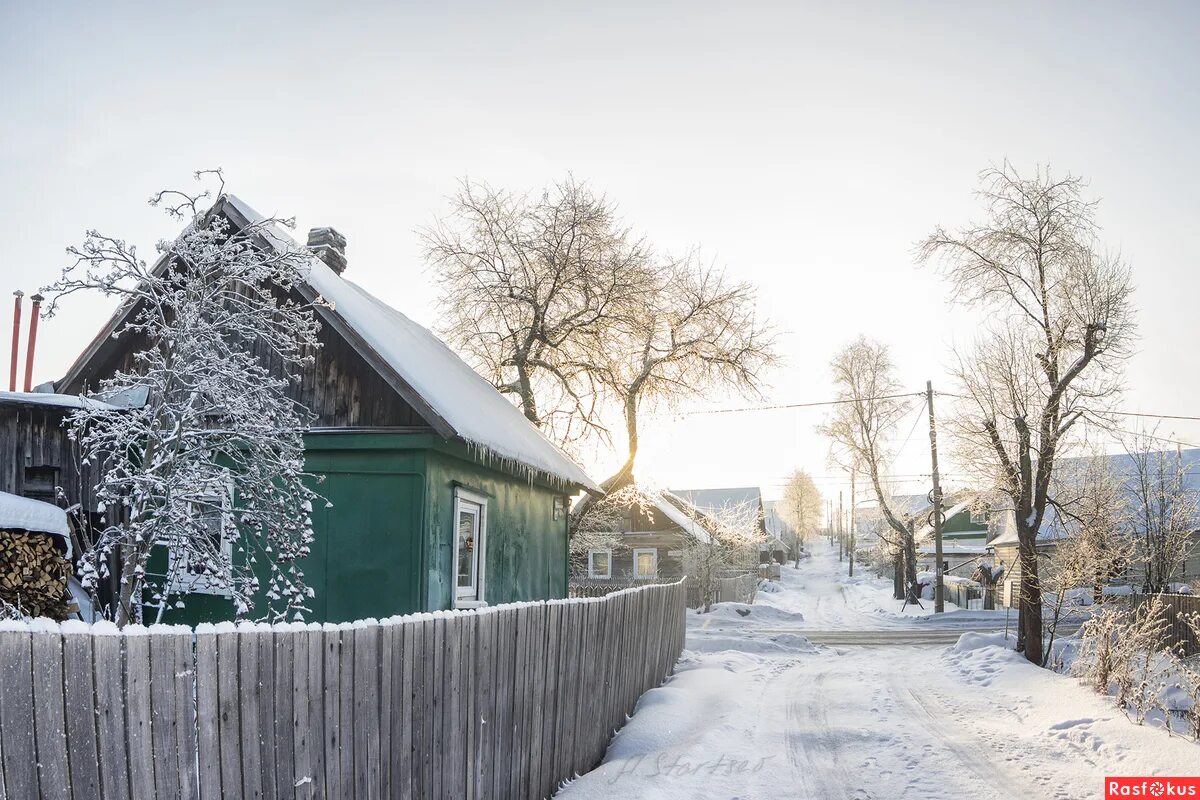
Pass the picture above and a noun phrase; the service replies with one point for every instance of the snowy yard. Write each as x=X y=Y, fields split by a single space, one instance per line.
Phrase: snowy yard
x=756 y=709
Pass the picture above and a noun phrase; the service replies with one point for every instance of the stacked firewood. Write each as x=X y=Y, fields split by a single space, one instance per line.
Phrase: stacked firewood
x=33 y=574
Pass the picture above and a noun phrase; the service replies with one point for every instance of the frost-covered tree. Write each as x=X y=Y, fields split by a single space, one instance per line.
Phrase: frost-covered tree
x=730 y=549
x=531 y=285
x=871 y=402
x=600 y=523
x=800 y=507
x=1058 y=329
x=1091 y=524
x=1164 y=512
x=693 y=331
x=211 y=467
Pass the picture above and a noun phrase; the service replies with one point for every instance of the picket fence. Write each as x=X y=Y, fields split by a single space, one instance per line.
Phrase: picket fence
x=502 y=702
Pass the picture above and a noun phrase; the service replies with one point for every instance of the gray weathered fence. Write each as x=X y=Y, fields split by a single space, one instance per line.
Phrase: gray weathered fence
x=1177 y=610
x=503 y=702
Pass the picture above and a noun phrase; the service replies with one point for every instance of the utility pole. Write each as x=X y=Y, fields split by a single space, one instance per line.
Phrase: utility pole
x=939 y=604
x=841 y=519
x=851 y=523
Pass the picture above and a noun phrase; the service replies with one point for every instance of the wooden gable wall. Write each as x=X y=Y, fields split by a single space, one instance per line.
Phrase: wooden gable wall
x=340 y=387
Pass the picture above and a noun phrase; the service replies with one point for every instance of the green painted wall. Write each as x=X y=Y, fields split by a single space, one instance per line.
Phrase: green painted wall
x=960 y=526
x=386 y=545
x=525 y=546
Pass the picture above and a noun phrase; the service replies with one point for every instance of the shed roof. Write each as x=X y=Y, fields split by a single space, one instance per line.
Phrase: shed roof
x=26 y=514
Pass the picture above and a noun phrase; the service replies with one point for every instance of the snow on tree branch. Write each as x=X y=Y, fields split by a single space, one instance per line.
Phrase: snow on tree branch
x=210 y=471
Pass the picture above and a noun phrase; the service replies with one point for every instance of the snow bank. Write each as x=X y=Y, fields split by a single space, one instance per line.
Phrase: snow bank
x=970 y=642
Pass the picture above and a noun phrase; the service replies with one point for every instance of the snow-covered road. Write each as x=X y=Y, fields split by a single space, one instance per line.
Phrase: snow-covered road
x=755 y=710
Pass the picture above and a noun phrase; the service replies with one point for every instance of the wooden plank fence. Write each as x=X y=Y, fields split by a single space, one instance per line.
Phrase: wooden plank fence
x=503 y=702
x=1177 y=609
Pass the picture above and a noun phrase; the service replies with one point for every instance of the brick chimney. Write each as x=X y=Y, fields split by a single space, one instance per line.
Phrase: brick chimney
x=329 y=246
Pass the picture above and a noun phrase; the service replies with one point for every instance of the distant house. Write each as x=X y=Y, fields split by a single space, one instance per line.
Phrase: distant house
x=964 y=529
x=1002 y=542
x=443 y=495
x=649 y=543
x=779 y=530
x=964 y=535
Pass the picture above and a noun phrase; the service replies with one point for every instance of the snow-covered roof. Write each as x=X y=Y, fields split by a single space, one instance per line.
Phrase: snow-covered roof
x=953 y=549
x=25 y=514
x=470 y=406
x=677 y=515
x=53 y=400
x=1123 y=465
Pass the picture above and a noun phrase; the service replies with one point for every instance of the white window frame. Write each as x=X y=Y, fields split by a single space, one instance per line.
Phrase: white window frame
x=470 y=597
x=979 y=517
x=637 y=551
x=179 y=581
x=591 y=565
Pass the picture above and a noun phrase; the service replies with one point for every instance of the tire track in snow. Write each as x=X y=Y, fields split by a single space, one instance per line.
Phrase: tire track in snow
x=981 y=763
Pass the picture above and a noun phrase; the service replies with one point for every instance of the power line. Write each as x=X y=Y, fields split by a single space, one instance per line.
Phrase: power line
x=1143 y=414
x=913 y=430
x=781 y=406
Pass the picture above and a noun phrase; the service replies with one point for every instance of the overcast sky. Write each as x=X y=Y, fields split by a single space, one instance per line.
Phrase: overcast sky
x=806 y=148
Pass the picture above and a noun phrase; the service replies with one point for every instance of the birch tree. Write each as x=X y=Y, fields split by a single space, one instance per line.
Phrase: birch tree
x=871 y=402
x=211 y=468
x=1058 y=328
x=531 y=285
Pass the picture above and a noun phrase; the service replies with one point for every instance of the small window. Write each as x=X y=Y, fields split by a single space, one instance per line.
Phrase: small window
x=600 y=563
x=470 y=532
x=645 y=562
x=979 y=516
x=205 y=564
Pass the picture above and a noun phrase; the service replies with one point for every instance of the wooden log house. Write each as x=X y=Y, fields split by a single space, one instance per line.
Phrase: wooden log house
x=442 y=494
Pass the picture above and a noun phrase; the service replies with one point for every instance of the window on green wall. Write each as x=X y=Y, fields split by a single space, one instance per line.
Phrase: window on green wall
x=470 y=535
x=202 y=565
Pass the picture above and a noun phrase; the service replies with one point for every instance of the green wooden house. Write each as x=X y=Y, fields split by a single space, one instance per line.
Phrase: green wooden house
x=442 y=495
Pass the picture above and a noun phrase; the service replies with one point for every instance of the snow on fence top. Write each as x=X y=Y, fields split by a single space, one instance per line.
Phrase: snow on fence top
x=469 y=404
x=23 y=514
x=107 y=628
